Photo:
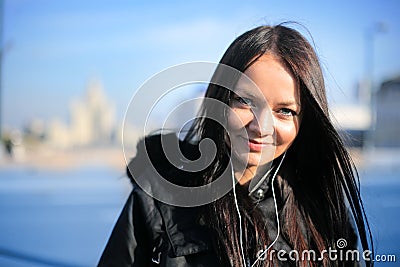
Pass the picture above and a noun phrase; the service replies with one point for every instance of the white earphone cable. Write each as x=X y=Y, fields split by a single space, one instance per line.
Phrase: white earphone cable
x=240 y=217
x=276 y=213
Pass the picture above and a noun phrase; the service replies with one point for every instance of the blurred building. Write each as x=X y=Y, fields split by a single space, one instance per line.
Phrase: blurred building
x=93 y=117
x=92 y=121
x=353 y=122
x=387 y=130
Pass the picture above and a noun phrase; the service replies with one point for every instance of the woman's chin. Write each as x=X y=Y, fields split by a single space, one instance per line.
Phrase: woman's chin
x=249 y=160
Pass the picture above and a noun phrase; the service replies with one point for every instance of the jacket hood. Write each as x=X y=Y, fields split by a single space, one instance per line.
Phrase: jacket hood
x=151 y=152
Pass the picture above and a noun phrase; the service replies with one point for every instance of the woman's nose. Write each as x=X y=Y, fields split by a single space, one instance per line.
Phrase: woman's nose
x=262 y=123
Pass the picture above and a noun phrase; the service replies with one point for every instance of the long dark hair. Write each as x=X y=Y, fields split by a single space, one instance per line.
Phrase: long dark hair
x=326 y=182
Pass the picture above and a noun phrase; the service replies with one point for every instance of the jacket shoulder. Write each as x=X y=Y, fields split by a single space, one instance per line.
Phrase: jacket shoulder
x=132 y=237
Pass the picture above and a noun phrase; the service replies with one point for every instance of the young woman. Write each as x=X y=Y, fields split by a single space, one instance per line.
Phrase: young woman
x=296 y=201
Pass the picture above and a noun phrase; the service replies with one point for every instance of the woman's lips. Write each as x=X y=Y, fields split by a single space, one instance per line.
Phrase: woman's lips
x=258 y=145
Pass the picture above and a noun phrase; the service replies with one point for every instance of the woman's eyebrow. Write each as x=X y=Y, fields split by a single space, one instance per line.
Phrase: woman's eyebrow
x=288 y=103
x=246 y=88
x=244 y=93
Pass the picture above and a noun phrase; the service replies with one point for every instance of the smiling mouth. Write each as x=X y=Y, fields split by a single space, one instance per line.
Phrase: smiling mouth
x=261 y=142
x=257 y=145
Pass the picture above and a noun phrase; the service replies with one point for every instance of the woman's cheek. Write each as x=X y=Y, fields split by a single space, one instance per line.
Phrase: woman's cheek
x=286 y=132
x=237 y=119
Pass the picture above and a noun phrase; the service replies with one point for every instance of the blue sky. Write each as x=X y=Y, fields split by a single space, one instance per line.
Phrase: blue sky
x=52 y=49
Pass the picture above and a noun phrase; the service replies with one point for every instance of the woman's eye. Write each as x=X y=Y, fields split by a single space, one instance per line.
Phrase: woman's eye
x=287 y=112
x=243 y=101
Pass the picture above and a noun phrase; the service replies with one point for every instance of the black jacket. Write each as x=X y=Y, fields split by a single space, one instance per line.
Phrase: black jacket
x=152 y=233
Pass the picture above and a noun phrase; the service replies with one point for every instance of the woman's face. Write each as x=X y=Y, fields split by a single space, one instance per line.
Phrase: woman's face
x=263 y=120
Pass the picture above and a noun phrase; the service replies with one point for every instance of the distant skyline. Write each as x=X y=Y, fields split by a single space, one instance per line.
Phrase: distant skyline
x=53 y=49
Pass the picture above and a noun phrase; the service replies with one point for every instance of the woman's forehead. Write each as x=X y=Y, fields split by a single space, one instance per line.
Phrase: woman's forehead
x=268 y=78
